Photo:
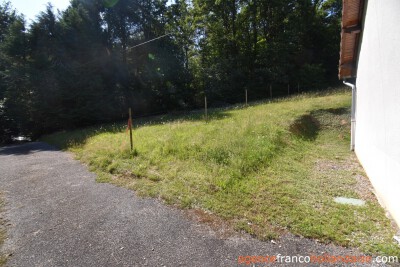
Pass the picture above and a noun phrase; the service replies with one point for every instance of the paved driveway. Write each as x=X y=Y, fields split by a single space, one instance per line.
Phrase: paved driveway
x=59 y=216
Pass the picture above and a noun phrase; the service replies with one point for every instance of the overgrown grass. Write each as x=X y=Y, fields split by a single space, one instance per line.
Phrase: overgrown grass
x=267 y=169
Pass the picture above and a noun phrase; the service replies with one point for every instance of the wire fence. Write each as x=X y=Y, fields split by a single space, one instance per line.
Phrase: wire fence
x=222 y=99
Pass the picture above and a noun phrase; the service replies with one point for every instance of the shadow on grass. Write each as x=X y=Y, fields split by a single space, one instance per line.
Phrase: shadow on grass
x=306 y=127
x=191 y=116
x=336 y=111
x=66 y=139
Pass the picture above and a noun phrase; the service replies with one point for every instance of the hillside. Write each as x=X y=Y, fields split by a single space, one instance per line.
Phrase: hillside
x=266 y=169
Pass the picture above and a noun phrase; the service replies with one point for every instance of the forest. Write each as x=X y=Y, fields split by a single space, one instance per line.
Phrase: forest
x=89 y=63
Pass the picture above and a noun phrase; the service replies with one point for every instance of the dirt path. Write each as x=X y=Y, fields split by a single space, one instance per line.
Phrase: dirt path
x=59 y=216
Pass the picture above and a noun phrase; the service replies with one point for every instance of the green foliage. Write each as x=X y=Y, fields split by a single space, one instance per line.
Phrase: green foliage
x=312 y=76
x=15 y=100
x=87 y=65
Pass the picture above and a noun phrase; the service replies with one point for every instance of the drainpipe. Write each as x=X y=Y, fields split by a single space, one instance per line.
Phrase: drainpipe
x=353 y=114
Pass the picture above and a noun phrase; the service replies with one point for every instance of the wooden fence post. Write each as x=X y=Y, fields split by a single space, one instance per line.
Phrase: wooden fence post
x=130 y=127
x=246 y=97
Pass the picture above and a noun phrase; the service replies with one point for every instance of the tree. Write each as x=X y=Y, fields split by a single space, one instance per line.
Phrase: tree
x=15 y=93
x=91 y=62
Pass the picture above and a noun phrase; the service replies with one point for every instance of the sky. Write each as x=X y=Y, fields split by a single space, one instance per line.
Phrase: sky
x=31 y=8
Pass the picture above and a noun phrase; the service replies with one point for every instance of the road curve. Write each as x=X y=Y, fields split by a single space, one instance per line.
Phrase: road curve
x=57 y=215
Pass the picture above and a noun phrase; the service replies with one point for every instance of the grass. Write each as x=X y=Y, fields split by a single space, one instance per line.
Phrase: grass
x=267 y=169
x=3 y=232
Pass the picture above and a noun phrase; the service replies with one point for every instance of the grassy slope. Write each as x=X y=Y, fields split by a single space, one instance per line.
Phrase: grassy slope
x=267 y=169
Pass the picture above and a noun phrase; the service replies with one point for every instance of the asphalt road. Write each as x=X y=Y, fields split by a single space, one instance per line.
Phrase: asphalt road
x=57 y=215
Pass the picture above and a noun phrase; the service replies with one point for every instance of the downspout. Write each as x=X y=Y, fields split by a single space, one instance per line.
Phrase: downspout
x=353 y=114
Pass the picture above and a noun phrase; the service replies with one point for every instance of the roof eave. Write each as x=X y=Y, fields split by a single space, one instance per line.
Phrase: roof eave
x=352 y=15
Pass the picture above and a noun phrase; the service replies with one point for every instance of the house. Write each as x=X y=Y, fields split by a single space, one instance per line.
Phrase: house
x=370 y=63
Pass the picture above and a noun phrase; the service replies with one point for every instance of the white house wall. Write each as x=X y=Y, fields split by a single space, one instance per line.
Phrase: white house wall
x=377 y=142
